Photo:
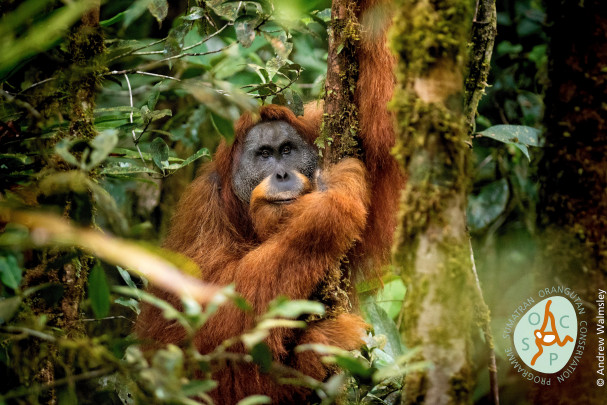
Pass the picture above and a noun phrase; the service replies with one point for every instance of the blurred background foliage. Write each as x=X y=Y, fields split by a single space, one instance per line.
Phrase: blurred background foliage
x=106 y=126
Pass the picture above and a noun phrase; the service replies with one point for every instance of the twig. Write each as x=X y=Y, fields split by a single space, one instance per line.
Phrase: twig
x=30 y=332
x=482 y=38
x=135 y=50
x=38 y=83
x=128 y=83
x=486 y=327
x=182 y=55
x=140 y=72
x=20 y=103
x=278 y=91
x=209 y=37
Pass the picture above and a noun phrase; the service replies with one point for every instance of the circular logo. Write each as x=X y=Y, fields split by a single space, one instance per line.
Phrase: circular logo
x=545 y=336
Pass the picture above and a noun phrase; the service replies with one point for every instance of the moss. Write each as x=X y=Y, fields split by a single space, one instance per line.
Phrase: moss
x=430 y=39
x=85 y=46
x=340 y=126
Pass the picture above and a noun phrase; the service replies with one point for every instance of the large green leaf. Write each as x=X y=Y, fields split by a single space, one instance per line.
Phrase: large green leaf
x=38 y=37
x=99 y=292
x=8 y=307
x=517 y=135
x=488 y=205
x=160 y=153
x=102 y=146
x=10 y=271
x=159 y=9
x=383 y=324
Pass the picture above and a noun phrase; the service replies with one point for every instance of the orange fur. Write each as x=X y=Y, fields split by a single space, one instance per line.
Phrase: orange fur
x=373 y=92
x=315 y=231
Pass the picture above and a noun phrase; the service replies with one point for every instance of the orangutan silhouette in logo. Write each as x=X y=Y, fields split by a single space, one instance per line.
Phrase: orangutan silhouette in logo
x=543 y=338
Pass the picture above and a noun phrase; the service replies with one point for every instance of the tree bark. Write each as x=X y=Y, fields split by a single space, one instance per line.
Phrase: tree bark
x=573 y=204
x=340 y=124
x=432 y=245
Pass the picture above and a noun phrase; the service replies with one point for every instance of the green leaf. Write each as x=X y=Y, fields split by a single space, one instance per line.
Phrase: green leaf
x=294 y=102
x=126 y=276
x=279 y=99
x=16 y=156
x=506 y=47
x=391 y=297
x=282 y=307
x=324 y=15
x=354 y=366
x=134 y=12
x=153 y=97
x=196 y=13
x=196 y=387
x=10 y=271
x=223 y=126
x=8 y=307
x=159 y=9
x=281 y=44
x=383 y=324
x=517 y=135
x=262 y=356
x=99 y=292
x=245 y=30
x=204 y=152
x=63 y=149
x=488 y=205
x=22 y=42
x=102 y=147
x=133 y=154
x=160 y=153
x=513 y=134
x=111 y=21
x=126 y=169
x=255 y=399
x=174 y=43
x=273 y=66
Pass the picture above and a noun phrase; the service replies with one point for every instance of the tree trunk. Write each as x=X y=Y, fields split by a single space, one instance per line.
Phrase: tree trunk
x=432 y=245
x=340 y=125
x=573 y=204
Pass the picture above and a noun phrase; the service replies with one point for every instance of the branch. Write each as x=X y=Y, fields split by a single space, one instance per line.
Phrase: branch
x=482 y=38
x=139 y=72
x=486 y=327
x=484 y=30
x=135 y=140
x=47 y=229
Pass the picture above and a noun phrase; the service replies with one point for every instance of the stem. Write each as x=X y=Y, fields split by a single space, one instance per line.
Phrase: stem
x=135 y=140
x=483 y=37
x=124 y=72
x=484 y=30
x=486 y=327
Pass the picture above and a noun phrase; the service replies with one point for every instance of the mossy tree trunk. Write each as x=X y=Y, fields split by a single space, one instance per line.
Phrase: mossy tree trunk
x=85 y=48
x=432 y=245
x=573 y=202
x=340 y=124
x=71 y=96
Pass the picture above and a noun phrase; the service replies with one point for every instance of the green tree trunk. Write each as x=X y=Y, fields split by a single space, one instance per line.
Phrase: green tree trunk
x=573 y=202
x=432 y=245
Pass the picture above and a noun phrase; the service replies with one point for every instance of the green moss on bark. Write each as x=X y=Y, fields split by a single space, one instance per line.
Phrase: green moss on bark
x=430 y=39
x=339 y=132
